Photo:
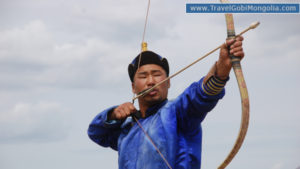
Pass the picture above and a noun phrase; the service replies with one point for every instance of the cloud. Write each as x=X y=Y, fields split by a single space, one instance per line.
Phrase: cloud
x=41 y=121
x=27 y=44
x=87 y=48
x=31 y=54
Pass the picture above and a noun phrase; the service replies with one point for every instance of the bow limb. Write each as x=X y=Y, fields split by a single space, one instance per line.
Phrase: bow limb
x=243 y=93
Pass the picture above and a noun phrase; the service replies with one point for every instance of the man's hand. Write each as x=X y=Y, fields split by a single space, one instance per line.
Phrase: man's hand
x=122 y=111
x=224 y=62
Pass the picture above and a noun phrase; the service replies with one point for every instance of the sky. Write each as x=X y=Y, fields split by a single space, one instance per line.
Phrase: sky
x=62 y=62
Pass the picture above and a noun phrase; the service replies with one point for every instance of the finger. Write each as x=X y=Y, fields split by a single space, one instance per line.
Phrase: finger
x=239 y=54
x=127 y=111
x=229 y=42
x=236 y=49
x=132 y=108
x=129 y=108
x=236 y=44
x=239 y=38
x=119 y=112
x=123 y=115
x=118 y=115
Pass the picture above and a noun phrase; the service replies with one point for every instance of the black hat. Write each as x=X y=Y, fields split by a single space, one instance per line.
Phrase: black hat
x=147 y=57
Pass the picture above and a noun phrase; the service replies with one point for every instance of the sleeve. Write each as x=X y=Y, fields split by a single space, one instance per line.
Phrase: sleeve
x=103 y=132
x=197 y=100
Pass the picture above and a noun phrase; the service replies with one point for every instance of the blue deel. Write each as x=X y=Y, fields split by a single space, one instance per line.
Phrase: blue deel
x=174 y=126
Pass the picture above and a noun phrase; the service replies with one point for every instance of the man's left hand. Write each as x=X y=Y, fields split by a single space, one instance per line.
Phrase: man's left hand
x=224 y=62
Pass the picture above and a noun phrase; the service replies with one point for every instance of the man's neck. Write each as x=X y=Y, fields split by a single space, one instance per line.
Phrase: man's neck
x=144 y=107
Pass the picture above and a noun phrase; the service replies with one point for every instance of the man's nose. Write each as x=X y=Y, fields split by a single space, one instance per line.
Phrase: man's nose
x=150 y=81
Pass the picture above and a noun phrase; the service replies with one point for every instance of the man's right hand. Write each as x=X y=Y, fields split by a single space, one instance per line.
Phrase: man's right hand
x=122 y=111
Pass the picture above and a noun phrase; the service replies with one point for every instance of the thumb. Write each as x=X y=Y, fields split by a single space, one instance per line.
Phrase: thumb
x=224 y=51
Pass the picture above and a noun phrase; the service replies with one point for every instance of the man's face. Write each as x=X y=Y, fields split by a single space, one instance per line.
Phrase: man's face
x=146 y=77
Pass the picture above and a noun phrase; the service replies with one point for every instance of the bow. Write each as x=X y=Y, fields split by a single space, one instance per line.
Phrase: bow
x=241 y=83
x=243 y=93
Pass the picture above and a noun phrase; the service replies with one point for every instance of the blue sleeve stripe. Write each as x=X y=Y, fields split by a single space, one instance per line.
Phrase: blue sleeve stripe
x=209 y=87
x=206 y=91
x=218 y=82
x=213 y=86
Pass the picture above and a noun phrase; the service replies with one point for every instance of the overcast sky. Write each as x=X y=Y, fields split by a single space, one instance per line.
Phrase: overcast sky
x=62 y=62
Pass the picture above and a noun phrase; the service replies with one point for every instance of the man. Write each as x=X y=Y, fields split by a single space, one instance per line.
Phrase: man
x=174 y=126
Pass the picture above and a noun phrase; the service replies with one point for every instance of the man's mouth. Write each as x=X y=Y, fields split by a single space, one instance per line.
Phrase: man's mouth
x=151 y=93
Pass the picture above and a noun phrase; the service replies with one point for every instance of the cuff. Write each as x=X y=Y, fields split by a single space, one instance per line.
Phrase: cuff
x=110 y=123
x=212 y=84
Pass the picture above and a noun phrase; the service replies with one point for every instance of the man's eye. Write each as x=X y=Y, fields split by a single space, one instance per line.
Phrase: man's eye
x=157 y=74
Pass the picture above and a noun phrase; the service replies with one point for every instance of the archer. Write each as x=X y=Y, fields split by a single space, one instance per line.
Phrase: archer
x=174 y=126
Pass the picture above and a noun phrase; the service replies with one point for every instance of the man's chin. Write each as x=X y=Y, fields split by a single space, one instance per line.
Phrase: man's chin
x=153 y=100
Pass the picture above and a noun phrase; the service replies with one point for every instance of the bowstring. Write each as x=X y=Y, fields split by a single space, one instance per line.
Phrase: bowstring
x=143 y=38
x=152 y=142
x=135 y=119
x=144 y=32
